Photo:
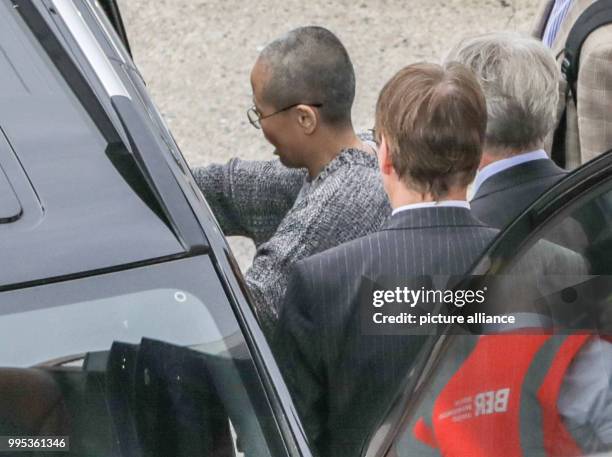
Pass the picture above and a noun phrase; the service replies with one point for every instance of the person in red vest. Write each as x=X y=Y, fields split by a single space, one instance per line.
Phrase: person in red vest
x=521 y=389
x=517 y=395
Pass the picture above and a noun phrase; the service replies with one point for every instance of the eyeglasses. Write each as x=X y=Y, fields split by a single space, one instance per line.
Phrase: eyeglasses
x=255 y=117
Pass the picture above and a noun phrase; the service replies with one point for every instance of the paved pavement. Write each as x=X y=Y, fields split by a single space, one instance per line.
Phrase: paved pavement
x=196 y=57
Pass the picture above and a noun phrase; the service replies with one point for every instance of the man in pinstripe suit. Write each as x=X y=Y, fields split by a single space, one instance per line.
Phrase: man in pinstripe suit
x=430 y=122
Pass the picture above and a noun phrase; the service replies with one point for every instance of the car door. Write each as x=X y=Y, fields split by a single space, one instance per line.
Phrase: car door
x=568 y=234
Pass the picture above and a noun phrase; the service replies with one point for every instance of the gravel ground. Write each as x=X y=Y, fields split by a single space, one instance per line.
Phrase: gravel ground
x=196 y=57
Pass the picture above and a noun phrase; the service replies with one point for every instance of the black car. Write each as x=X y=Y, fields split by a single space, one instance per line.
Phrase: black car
x=126 y=328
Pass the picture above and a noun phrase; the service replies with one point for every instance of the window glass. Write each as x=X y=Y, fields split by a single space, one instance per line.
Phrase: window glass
x=148 y=360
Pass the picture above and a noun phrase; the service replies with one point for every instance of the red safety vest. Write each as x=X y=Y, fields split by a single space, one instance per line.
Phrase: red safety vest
x=502 y=400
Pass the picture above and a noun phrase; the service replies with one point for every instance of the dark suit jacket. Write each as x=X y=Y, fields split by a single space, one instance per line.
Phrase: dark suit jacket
x=343 y=381
x=503 y=196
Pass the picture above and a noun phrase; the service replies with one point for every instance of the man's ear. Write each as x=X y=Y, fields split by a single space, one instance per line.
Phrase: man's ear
x=308 y=118
x=384 y=157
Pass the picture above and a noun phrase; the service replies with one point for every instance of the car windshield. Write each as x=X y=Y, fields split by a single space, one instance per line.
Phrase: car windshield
x=149 y=360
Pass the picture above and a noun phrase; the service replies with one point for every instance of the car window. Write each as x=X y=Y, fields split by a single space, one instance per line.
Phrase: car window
x=149 y=361
x=544 y=386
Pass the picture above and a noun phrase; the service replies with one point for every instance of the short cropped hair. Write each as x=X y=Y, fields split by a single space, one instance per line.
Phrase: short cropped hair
x=433 y=119
x=520 y=80
x=310 y=65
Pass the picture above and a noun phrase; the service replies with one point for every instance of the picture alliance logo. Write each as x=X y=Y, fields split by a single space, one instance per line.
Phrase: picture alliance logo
x=414 y=297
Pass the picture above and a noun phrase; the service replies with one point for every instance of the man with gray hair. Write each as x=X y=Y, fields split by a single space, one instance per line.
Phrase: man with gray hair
x=520 y=81
x=325 y=188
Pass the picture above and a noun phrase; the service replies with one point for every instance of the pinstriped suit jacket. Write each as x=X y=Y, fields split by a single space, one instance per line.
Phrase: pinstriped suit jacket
x=342 y=381
x=589 y=122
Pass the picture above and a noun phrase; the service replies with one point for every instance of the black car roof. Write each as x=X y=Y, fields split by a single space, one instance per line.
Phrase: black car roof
x=70 y=207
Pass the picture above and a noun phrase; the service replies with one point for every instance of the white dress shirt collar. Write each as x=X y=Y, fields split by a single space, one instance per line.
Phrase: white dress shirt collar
x=442 y=204
x=501 y=165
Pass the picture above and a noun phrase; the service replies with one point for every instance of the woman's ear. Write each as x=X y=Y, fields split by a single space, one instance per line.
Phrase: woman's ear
x=308 y=118
x=384 y=157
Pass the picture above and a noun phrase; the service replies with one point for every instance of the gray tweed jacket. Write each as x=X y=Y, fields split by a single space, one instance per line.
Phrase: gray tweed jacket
x=290 y=217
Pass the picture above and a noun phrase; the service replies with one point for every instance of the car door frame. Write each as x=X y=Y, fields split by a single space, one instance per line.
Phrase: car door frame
x=113 y=13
